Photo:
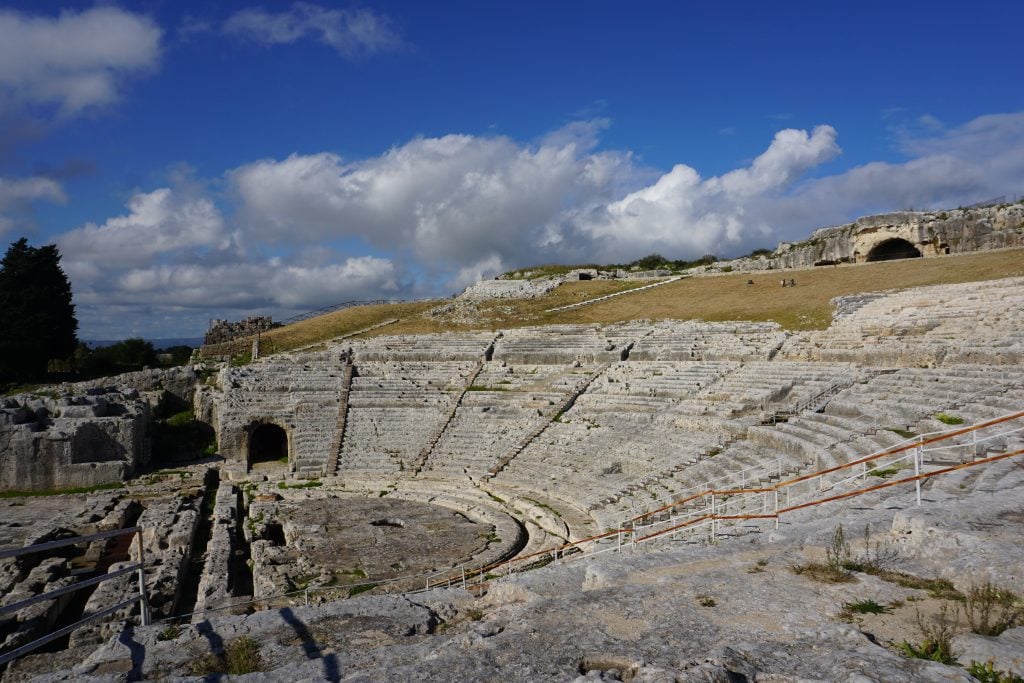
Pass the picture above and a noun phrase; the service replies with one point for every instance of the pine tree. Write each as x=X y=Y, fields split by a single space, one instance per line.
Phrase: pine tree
x=37 y=318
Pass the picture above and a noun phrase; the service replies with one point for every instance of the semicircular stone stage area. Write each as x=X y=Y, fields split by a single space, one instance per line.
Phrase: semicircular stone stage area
x=313 y=539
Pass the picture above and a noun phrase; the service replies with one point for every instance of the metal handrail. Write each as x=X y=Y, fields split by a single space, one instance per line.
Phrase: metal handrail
x=137 y=567
x=715 y=510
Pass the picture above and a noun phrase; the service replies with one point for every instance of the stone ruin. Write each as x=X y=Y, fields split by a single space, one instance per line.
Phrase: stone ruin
x=224 y=331
x=904 y=234
x=85 y=434
x=364 y=467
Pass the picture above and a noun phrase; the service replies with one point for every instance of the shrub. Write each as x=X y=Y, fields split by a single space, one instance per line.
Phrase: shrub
x=876 y=557
x=949 y=419
x=992 y=610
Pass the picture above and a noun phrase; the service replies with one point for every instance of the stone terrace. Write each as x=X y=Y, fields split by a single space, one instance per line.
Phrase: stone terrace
x=593 y=422
x=976 y=322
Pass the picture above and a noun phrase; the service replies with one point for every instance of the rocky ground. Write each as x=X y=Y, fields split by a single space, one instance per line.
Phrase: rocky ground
x=683 y=611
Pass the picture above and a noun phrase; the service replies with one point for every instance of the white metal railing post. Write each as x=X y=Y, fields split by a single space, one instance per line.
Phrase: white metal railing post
x=918 y=457
x=776 y=508
x=974 y=445
x=713 y=517
x=305 y=592
x=143 y=597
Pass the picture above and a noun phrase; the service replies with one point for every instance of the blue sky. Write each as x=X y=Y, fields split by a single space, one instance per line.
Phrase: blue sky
x=202 y=160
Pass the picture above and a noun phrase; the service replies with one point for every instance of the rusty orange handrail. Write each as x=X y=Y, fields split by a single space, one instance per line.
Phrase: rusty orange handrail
x=774 y=489
x=853 y=463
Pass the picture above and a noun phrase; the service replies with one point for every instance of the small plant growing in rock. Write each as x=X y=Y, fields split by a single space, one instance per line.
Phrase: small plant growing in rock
x=992 y=610
x=949 y=419
x=241 y=656
x=987 y=673
x=758 y=566
x=706 y=601
x=614 y=468
x=876 y=557
x=937 y=635
x=838 y=552
x=866 y=607
x=834 y=569
x=169 y=633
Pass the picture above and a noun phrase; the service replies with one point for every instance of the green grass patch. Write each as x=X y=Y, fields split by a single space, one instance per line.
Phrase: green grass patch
x=866 y=607
x=241 y=656
x=949 y=419
x=885 y=472
x=312 y=484
x=181 y=419
x=940 y=589
x=361 y=588
x=902 y=432
x=987 y=673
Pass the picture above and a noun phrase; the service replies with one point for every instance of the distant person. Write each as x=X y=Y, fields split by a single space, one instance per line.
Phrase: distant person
x=783 y=282
x=750 y=282
x=792 y=282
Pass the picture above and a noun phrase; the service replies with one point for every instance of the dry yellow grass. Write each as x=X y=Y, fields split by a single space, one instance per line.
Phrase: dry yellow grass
x=717 y=297
x=806 y=306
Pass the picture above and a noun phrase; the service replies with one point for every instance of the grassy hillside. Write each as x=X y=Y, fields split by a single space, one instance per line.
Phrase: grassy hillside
x=712 y=297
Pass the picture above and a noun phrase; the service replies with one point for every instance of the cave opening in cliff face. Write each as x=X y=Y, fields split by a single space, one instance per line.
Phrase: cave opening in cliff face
x=892 y=250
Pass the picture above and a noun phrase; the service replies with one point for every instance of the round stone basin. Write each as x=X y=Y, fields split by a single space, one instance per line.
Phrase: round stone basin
x=339 y=541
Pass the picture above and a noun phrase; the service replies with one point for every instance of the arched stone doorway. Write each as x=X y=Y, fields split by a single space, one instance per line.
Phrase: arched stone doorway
x=892 y=250
x=268 y=443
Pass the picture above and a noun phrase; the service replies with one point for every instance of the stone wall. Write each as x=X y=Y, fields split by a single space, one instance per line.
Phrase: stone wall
x=223 y=330
x=178 y=381
x=933 y=233
x=67 y=441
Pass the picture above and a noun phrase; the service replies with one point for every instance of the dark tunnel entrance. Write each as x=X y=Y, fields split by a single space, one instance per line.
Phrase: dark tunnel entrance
x=892 y=250
x=268 y=443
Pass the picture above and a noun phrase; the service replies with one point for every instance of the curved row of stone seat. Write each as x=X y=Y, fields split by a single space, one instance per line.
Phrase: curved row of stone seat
x=463 y=346
x=558 y=345
x=662 y=378
x=696 y=340
x=942 y=324
x=394 y=408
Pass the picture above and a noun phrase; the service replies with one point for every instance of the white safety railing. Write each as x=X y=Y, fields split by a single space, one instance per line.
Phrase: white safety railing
x=703 y=509
x=136 y=567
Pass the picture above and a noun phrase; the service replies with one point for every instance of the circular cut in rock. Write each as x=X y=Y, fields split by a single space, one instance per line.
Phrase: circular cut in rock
x=345 y=541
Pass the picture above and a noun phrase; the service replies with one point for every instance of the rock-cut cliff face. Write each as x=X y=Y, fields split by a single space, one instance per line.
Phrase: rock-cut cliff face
x=891 y=235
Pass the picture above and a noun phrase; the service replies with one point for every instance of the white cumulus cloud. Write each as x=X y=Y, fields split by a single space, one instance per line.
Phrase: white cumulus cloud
x=158 y=222
x=76 y=60
x=436 y=214
x=444 y=202
x=351 y=32
x=17 y=195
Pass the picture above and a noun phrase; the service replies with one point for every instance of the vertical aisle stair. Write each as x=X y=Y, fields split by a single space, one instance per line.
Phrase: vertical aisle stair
x=339 y=430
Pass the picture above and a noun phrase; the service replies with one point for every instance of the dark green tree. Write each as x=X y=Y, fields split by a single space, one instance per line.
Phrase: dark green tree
x=37 y=318
x=649 y=262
